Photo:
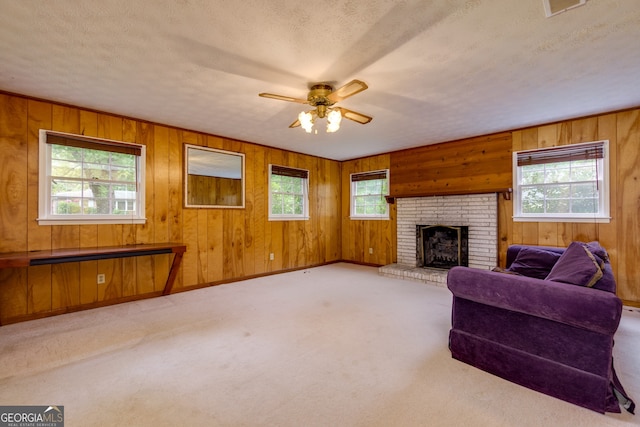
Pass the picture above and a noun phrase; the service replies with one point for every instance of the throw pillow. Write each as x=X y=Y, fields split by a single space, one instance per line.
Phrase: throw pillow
x=576 y=266
x=600 y=253
x=534 y=262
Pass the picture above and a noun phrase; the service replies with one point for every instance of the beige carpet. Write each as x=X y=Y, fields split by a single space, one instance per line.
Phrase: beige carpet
x=330 y=346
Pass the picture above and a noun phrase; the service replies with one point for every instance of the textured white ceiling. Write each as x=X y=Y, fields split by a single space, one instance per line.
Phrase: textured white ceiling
x=437 y=70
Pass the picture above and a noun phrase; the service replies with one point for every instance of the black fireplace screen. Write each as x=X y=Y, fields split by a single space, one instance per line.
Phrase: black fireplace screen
x=442 y=246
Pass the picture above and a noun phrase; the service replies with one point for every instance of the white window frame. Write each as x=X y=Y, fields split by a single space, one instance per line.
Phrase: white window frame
x=46 y=217
x=353 y=215
x=603 y=177
x=305 y=198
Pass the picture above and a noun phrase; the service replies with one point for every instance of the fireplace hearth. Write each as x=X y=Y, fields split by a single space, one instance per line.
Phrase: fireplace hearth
x=442 y=246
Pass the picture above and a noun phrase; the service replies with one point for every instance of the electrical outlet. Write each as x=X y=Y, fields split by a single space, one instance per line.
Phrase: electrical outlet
x=101 y=279
x=370 y=251
x=271 y=256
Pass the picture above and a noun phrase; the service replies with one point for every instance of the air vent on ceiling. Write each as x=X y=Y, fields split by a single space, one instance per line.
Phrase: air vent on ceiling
x=554 y=7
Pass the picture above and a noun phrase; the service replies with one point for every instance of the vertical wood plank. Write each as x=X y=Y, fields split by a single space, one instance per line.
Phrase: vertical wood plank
x=65 y=285
x=39 y=289
x=13 y=173
x=161 y=202
x=628 y=175
x=190 y=257
x=202 y=243
x=216 y=248
x=38 y=236
x=145 y=134
x=174 y=218
x=40 y=117
x=14 y=293
x=249 y=214
x=584 y=130
x=337 y=229
x=607 y=232
x=261 y=204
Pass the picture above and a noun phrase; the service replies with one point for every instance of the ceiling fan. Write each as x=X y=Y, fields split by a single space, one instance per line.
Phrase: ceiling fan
x=322 y=96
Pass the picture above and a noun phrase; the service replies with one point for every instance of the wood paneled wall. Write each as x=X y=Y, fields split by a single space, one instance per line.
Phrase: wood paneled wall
x=222 y=244
x=475 y=165
x=621 y=236
x=360 y=235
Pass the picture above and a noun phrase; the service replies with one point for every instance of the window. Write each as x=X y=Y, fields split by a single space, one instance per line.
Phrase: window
x=568 y=183
x=90 y=181
x=368 y=191
x=288 y=193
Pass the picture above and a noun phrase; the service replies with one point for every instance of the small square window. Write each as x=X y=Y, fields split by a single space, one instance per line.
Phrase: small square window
x=288 y=193
x=368 y=191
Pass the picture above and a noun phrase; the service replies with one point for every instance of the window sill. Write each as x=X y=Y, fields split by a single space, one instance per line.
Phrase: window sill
x=77 y=221
x=289 y=218
x=599 y=220
x=364 y=217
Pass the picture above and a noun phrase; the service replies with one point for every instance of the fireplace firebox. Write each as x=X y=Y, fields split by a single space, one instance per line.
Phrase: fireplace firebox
x=442 y=246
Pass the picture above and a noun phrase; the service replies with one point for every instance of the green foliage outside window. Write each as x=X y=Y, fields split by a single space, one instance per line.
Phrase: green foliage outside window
x=369 y=197
x=564 y=187
x=88 y=181
x=287 y=195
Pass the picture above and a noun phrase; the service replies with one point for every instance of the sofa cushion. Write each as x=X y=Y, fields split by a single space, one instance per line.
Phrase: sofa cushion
x=576 y=266
x=600 y=252
x=534 y=262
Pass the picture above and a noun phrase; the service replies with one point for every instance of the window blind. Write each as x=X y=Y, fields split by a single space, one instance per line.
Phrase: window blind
x=565 y=153
x=79 y=142
x=368 y=176
x=292 y=172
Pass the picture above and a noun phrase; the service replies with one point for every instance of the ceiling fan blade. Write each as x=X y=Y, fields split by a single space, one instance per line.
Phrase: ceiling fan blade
x=295 y=124
x=351 y=88
x=355 y=116
x=283 y=98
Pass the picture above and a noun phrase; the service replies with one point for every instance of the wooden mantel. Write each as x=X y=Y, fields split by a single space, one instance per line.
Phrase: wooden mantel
x=505 y=192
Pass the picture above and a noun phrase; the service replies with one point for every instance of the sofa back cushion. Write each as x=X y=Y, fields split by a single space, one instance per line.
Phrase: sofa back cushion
x=533 y=262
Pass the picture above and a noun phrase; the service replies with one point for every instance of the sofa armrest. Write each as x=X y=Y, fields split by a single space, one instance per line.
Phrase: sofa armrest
x=586 y=308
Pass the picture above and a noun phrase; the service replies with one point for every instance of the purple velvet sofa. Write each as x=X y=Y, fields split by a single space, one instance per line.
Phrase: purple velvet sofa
x=547 y=322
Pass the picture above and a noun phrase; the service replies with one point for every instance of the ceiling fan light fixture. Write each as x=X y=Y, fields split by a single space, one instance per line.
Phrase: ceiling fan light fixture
x=306 y=121
x=333 y=120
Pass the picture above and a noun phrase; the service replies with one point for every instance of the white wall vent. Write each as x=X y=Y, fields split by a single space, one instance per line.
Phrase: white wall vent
x=554 y=7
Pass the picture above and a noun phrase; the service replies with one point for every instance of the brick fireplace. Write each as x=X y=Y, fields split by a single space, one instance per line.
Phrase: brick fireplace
x=478 y=213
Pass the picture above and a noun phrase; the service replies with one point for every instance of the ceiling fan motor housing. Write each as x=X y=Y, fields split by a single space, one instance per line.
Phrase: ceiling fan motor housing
x=318 y=95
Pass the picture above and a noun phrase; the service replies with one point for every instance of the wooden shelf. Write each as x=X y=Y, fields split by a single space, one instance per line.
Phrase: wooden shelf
x=59 y=256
